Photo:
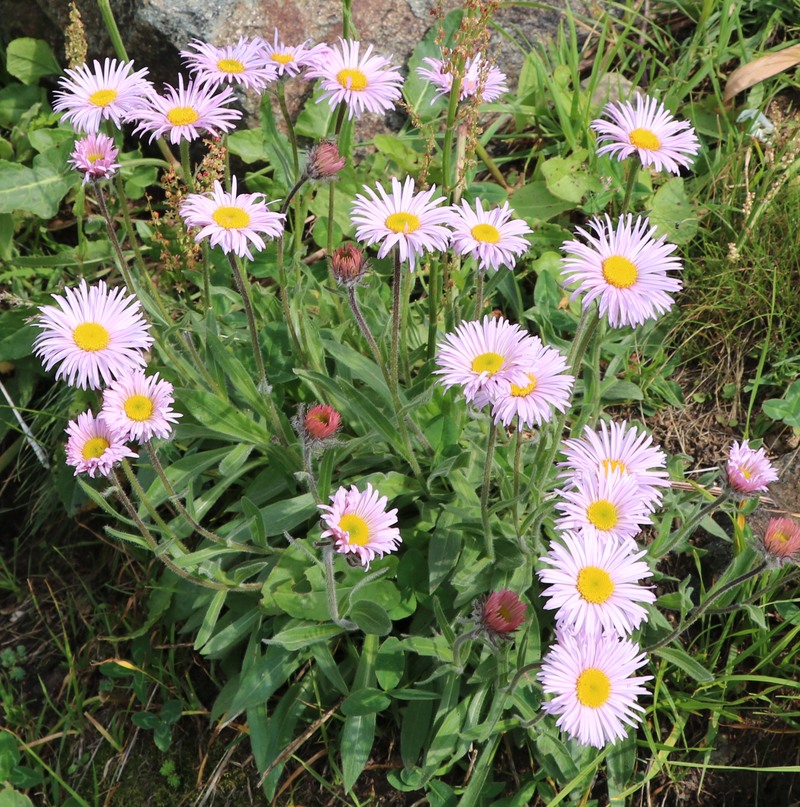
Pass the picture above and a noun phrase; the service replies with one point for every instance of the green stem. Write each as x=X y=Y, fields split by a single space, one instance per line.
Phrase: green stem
x=633 y=172
x=762 y=592
x=186 y=166
x=396 y=289
x=365 y=330
x=263 y=385
x=284 y=294
x=406 y=279
x=517 y=467
x=487 y=478
x=112 y=236
x=281 y=91
x=479 y=292
x=197 y=527
x=701 y=609
x=490 y=165
x=330 y=590
x=450 y=126
x=433 y=305
x=289 y=196
x=693 y=522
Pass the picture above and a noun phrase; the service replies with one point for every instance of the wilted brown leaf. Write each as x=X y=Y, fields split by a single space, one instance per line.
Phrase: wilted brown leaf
x=765 y=66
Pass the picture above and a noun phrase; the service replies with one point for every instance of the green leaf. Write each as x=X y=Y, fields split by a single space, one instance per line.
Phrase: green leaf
x=263 y=678
x=12 y=798
x=248 y=145
x=284 y=516
x=673 y=213
x=301 y=636
x=15 y=101
x=30 y=59
x=356 y=741
x=444 y=551
x=371 y=618
x=37 y=190
x=568 y=178
x=9 y=754
x=681 y=659
x=210 y=618
x=622 y=391
x=535 y=203
x=389 y=663
x=221 y=417
x=364 y=702
x=620 y=764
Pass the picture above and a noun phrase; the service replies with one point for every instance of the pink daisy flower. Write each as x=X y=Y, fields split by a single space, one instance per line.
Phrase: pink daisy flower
x=547 y=389
x=93 y=446
x=646 y=128
x=108 y=92
x=485 y=358
x=242 y=63
x=780 y=543
x=95 y=335
x=95 y=157
x=359 y=524
x=625 y=269
x=492 y=237
x=411 y=221
x=618 y=447
x=595 y=691
x=186 y=113
x=609 y=507
x=480 y=78
x=593 y=585
x=232 y=221
x=289 y=60
x=363 y=83
x=749 y=471
x=139 y=407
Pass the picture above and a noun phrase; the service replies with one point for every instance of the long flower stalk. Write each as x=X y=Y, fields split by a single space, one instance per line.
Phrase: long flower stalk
x=487 y=478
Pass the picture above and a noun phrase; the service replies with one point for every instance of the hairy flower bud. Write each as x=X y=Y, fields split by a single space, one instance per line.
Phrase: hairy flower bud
x=321 y=422
x=348 y=264
x=324 y=161
x=500 y=614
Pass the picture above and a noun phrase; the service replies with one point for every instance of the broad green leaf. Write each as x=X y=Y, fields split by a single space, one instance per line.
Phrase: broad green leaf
x=356 y=741
x=444 y=551
x=37 y=190
x=364 y=702
x=568 y=178
x=9 y=754
x=622 y=391
x=298 y=637
x=30 y=59
x=390 y=663
x=535 y=203
x=620 y=764
x=210 y=619
x=223 y=418
x=681 y=659
x=371 y=618
x=673 y=212
x=263 y=678
x=13 y=798
x=248 y=145
x=15 y=101
x=285 y=515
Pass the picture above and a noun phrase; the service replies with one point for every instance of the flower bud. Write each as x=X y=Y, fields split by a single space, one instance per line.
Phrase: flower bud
x=500 y=614
x=321 y=422
x=348 y=264
x=781 y=541
x=324 y=161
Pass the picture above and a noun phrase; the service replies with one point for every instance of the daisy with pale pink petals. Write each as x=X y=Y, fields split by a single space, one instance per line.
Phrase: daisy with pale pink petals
x=186 y=112
x=647 y=129
x=359 y=524
x=595 y=691
x=547 y=389
x=484 y=359
x=413 y=222
x=93 y=333
x=95 y=157
x=139 y=406
x=481 y=79
x=242 y=63
x=594 y=586
x=109 y=91
x=289 y=60
x=491 y=236
x=363 y=82
x=617 y=447
x=749 y=471
x=233 y=221
x=624 y=268
x=609 y=507
x=93 y=446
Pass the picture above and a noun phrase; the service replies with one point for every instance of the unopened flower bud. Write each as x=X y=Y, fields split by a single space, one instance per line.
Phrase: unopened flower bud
x=324 y=160
x=322 y=421
x=348 y=264
x=500 y=614
x=781 y=541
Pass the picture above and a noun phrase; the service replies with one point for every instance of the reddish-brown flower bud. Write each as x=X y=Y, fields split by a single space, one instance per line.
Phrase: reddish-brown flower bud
x=348 y=264
x=781 y=542
x=501 y=613
x=324 y=160
x=322 y=421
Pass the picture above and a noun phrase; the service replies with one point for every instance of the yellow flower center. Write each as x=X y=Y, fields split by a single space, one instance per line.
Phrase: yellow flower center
x=282 y=58
x=602 y=514
x=352 y=79
x=619 y=272
x=744 y=472
x=595 y=584
x=183 y=116
x=593 y=688
x=231 y=218
x=524 y=392
x=91 y=337
x=487 y=363
x=103 y=97
x=402 y=222
x=93 y=158
x=230 y=66
x=356 y=528
x=644 y=139
x=609 y=466
x=780 y=536
x=486 y=233
x=94 y=448
x=139 y=408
